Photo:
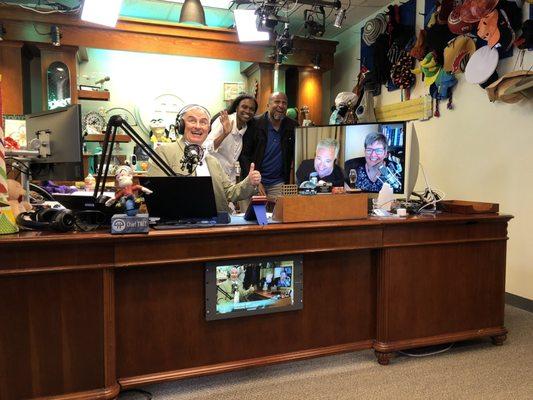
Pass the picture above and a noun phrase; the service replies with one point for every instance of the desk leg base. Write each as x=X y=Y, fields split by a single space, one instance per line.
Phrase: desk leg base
x=498 y=339
x=383 y=358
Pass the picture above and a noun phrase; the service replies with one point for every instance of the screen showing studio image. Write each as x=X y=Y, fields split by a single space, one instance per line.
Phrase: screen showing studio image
x=360 y=156
x=259 y=286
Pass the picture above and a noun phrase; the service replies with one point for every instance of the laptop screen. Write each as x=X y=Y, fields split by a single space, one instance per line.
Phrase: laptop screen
x=178 y=198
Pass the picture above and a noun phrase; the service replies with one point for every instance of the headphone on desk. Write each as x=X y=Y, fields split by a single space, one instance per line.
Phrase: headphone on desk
x=179 y=127
x=48 y=219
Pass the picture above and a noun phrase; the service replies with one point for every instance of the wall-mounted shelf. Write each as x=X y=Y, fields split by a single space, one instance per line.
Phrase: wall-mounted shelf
x=93 y=95
x=101 y=137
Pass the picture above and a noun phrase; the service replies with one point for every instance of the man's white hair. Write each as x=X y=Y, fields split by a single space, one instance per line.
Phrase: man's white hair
x=329 y=143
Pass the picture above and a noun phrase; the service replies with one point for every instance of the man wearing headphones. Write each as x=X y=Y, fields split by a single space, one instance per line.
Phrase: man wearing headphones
x=193 y=124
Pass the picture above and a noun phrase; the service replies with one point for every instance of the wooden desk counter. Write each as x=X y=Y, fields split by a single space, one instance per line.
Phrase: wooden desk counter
x=82 y=312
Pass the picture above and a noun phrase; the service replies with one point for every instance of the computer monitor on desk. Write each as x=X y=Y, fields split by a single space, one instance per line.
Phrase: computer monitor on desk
x=180 y=198
x=65 y=160
x=392 y=147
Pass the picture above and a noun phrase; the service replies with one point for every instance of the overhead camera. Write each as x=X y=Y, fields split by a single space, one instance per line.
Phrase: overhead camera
x=315 y=21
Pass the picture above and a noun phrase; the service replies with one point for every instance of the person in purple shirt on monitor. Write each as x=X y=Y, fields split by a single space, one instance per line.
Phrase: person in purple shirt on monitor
x=270 y=145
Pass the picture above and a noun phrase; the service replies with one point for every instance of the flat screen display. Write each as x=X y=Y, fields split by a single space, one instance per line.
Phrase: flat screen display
x=366 y=156
x=240 y=288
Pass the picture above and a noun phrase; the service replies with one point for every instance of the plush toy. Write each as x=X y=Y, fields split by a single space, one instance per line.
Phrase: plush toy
x=128 y=196
x=16 y=195
x=158 y=132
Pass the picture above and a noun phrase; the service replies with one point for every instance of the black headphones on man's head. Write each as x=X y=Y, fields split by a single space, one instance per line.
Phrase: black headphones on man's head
x=48 y=219
x=180 y=123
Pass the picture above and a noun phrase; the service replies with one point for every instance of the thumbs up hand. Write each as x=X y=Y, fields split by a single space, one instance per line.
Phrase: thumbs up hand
x=255 y=176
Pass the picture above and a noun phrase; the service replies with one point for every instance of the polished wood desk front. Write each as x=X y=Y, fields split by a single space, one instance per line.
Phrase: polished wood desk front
x=82 y=313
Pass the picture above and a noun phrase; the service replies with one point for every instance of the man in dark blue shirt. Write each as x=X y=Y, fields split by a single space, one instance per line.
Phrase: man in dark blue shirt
x=270 y=145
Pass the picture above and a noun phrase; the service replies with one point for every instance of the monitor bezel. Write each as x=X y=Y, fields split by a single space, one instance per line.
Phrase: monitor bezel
x=211 y=287
x=405 y=148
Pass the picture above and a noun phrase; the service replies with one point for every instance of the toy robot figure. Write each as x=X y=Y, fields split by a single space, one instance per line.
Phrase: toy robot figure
x=128 y=195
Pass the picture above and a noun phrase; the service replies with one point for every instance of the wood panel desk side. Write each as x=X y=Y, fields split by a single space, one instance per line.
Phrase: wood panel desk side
x=83 y=312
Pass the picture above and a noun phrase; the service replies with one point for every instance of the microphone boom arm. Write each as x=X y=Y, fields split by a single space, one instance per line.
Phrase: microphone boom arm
x=115 y=122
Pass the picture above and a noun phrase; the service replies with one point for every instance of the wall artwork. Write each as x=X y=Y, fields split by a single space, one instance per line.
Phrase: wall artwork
x=232 y=90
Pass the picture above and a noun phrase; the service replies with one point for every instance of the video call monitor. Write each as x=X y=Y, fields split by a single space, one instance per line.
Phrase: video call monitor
x=65 y=160
x=241 y=288
x=353 y=156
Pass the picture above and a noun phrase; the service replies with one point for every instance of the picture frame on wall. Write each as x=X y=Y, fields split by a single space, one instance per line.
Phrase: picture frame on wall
x=232 y=90
x=15 y=128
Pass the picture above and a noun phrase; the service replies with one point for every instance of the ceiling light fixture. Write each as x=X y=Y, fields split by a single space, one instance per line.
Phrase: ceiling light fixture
x=55 y=34
x=101 y=12
x=284 y=41
x=223 y=4
x=315 y=21
x=267 y=17
x=245 y=21
x=339 y=18
x=192 y=12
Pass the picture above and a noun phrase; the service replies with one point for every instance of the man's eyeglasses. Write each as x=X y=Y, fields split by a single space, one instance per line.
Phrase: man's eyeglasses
x=379 y=152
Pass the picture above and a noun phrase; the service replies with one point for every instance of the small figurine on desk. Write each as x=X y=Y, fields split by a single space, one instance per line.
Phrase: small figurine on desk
x=128 y=195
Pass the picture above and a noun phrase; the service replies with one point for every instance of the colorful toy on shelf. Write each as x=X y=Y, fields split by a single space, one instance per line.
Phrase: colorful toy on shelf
x=158 y=132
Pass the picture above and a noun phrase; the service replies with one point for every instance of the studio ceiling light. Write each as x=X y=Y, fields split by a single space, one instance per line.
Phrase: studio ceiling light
x=245 y=21
x=192 y=12
x=339 y=18
x=223 y=4
x=101 y=12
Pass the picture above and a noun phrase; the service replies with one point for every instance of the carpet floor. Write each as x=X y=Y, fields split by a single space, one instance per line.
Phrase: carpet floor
x=469 y=370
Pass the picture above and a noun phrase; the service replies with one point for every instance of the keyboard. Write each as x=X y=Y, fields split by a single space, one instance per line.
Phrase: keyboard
x=166 y=225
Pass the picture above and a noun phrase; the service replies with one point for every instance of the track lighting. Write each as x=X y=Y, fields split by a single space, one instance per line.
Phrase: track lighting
x=339 y=18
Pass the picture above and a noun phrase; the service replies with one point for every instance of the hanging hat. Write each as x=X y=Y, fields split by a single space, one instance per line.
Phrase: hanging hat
x=513 y=12
x=456 y=24
x=525 y=41
x=496 y=90
x=348 y=98
x=474 y=10
x=482 y=65
x=437 y=39
x=444 y=10
x=419 y=49
x=430 y=68
x=372 y=29
x=401 y=74
x=488 y=28
x=457 y=53
x=507 y=34
x=442 y=88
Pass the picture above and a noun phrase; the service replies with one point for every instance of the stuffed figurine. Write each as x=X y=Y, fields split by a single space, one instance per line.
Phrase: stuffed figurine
x=158 y=132
x=16 y=195
x=128 y=195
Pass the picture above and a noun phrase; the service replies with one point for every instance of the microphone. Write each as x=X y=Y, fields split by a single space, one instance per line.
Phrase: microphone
x=390 y=175
x=192 y=157
x=101 y=81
